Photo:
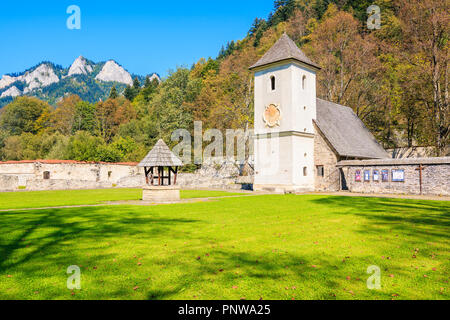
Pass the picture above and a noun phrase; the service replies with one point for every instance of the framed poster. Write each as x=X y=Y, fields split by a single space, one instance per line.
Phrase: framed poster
x=366 y=175
x=376 y=175
x=398 y=175
x=385 y=175
x=358 y=175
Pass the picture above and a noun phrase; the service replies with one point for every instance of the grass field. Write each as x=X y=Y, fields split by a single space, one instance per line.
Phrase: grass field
x=269 y=247
x=39 y=199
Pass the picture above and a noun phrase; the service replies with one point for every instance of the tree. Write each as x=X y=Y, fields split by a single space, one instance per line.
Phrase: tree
x=132 y=92
x=84 y=147
x=425 y=26
x=25 y=114
x=136 y=84
x=348 y=61
x=146 y=93
x=85 y=118
x=63 y=116
x=128 y=149
x=129 y=93
x=111 y=114
x=257 y=30
x=168 y=109
x=107 y=153
x=283 y=10
x=105 y=113
x=30 y=146
x=113 y=93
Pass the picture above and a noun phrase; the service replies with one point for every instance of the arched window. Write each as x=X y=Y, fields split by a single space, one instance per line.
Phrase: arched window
x=304 y=82
x=272 y=83
x=305 y=171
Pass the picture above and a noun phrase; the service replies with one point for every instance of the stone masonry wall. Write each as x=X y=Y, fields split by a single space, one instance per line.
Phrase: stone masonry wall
x=435 y=180
x=324 y=156
x=67 y=175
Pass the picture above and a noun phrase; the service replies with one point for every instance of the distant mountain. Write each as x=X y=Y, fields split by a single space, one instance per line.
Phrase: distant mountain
x=50 y=82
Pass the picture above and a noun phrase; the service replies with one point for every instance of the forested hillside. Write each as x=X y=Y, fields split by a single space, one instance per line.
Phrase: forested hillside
x=395 y=78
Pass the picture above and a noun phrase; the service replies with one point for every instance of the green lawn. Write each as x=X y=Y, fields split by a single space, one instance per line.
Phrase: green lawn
x=39 y=199
x=270 y=247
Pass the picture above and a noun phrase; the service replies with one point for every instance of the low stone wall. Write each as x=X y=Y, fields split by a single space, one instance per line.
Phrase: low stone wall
x=435 y=176
x=215 y=173
x=9 y=183
x=67 y=175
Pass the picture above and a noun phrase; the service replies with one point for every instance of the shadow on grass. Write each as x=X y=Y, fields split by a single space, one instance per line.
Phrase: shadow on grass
x=319 y=275
x=52 y=227
x=410 y=217
x=228 y=268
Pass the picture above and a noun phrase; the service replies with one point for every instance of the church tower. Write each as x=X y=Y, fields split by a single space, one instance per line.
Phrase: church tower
x=285 y=107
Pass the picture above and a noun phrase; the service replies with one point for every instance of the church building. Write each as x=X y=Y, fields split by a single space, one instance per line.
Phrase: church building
x=299 y=138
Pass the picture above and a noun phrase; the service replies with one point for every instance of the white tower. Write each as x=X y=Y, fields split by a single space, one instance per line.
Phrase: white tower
x=285 y=107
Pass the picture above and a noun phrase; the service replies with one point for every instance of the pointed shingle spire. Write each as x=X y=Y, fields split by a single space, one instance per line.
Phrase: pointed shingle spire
x=160 y=156
x=284 y=49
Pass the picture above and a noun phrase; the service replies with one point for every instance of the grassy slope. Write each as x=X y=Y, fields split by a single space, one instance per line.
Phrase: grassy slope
x=39 y=199
x=274 y=247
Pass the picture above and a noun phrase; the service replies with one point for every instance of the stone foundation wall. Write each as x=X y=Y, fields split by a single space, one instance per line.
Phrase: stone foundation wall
x=435 y=176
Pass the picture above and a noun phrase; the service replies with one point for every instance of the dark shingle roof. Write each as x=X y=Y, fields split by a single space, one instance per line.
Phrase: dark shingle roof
x=346 y=132
x=283 y=49
x=160 y=156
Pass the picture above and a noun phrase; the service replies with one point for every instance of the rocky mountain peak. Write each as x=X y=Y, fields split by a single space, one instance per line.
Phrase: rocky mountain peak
x=80 y=66
x=11 y=92
x=111 y=71
x=42 y=76
x=6 y=81
x=155 y=76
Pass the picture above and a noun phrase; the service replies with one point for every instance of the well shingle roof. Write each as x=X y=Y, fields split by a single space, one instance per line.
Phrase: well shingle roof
x=160 y=156
x=284 y=49
x=346 y=132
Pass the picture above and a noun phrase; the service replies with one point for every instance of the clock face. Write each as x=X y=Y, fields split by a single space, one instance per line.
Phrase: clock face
x=272 y=115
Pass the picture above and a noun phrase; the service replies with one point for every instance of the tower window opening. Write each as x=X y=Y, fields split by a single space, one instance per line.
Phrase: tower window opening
x=305 y=171
x=304 y=82
x=272 y=83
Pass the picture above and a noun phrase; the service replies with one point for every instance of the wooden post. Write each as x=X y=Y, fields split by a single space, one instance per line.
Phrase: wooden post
x=151 y=177
x=170 y=180
x=146 y=175
x=420 y=169
x=175 y=179
x=159 y=176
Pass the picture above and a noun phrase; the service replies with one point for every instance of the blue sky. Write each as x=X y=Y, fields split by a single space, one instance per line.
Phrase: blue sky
x=143 y=36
